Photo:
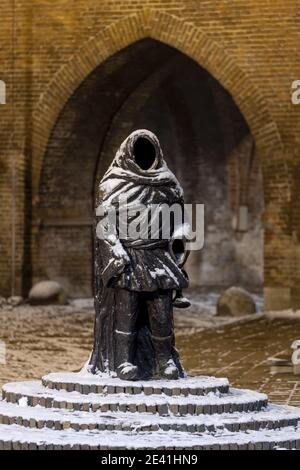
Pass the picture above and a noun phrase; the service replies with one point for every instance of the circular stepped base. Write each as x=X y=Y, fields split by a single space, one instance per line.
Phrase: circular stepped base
x=82 y=411
x=17 y=437
x=234 y=400
x=86 y=384
x=274 y=417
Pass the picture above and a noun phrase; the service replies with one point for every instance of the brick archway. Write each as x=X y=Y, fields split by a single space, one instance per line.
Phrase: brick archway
x=170 y=30
x=193 y=42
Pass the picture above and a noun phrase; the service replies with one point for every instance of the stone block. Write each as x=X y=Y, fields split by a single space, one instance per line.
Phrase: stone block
x=163 y=409
x=235 y=301
x=151 y=408
x=46 y=293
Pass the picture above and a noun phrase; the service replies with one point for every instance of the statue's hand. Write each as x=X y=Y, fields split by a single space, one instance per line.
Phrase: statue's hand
x=115 y=267
x=119 y=266
x=120 y=254
x=117 y=262
x=124 y=259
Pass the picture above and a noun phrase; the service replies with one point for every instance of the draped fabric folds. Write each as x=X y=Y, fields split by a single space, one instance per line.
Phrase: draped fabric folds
x=136 y=264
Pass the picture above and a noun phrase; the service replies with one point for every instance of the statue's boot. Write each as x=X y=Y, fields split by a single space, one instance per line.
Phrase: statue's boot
x=165 y=365
x=125 y=343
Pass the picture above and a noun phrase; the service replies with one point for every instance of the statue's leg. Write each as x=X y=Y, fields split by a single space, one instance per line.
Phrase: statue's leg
x=125 y=333
x=101 y=358
x=160 y=312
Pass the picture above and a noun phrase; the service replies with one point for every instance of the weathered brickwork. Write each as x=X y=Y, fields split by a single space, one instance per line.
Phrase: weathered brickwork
x=48 y=49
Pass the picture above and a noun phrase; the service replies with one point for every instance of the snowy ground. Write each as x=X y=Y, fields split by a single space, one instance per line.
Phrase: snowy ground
x=40 y=340
x=202 y=313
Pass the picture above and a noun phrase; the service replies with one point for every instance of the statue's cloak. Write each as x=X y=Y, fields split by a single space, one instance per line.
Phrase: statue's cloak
x=151 y=266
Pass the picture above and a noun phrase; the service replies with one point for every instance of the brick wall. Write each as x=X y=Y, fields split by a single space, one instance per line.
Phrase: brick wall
x=250 y=48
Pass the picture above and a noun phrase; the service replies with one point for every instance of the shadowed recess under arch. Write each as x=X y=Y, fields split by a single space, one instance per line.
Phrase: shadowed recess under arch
x=206 y=143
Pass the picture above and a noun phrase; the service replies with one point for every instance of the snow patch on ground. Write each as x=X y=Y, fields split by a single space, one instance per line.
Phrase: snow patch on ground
x=82 y=303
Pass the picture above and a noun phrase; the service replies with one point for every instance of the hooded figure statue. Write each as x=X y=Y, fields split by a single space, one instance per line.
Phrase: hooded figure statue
x=135 y=277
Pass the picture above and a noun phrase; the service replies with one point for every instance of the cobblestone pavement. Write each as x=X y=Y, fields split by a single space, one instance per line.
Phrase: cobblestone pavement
x=49 y=339
x=239 y=352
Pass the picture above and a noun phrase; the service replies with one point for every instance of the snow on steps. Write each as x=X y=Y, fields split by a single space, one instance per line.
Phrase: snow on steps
x=273 y=417
x=234 y=400
x=87 y=383
x=16 y=437
x=191 y=413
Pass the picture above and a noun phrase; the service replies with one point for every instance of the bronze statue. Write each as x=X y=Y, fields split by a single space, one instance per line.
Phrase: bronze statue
x=135 y=278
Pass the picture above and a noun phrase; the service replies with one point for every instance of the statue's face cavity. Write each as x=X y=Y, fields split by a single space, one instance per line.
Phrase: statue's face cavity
x=144 y=154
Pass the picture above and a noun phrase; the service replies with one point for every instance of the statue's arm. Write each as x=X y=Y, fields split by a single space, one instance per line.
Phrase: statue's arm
x=114 y=257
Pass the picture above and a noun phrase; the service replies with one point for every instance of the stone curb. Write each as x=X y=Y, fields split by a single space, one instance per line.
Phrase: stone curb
x=86 y=389
x=263 y=445
x=59 y=424
x=140 y=407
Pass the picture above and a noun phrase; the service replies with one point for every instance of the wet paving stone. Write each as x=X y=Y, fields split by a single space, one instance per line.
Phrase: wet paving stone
x=240 y=352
